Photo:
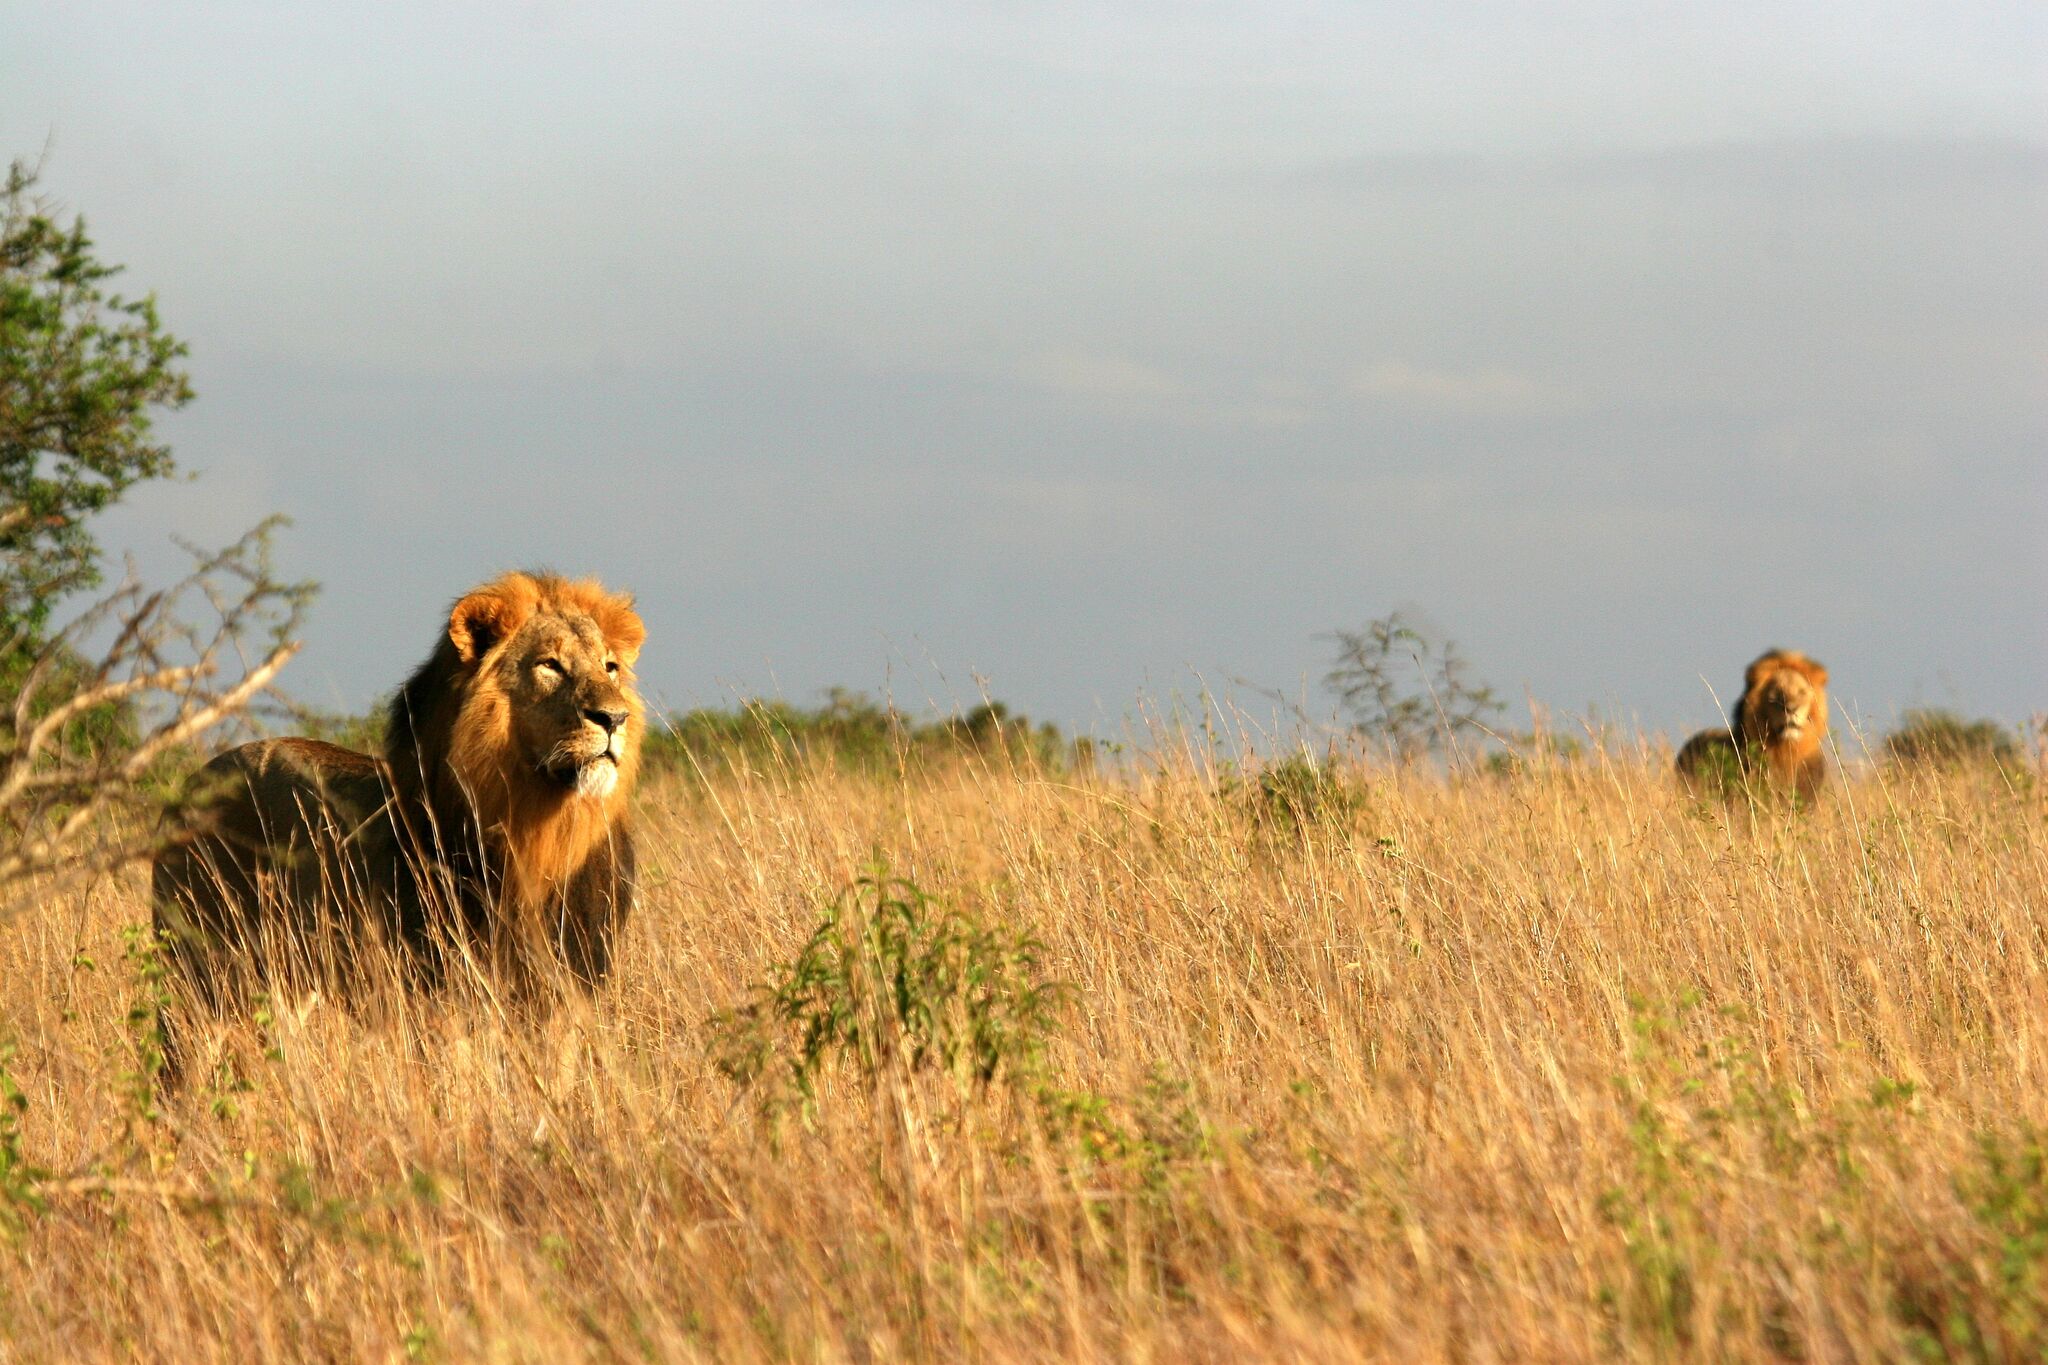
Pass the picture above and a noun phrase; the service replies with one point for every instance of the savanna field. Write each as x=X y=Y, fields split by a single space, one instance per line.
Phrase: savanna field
x=1151 y=1061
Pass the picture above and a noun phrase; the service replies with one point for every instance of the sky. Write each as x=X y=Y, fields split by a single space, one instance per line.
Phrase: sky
x=1091 y=353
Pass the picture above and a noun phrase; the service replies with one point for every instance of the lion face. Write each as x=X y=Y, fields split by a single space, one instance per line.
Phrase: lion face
x=1785 y=706
x=1785 y=702
x=571 y=714
x=550 y=700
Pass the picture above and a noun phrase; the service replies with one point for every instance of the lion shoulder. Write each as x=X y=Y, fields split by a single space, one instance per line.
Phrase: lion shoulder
x=1709 y=755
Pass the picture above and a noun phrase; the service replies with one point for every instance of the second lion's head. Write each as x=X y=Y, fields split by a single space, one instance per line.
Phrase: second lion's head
x=1784 y=703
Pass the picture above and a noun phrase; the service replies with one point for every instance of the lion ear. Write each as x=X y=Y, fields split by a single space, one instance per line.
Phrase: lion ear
x=622 y=627
x=1765 y=665
x=487 y=617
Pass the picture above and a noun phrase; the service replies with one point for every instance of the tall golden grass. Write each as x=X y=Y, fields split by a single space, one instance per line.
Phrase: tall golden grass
x=1556 y=1066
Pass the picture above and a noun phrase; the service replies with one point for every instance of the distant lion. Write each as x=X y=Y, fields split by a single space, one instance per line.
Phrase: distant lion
x=1779 y=722
x=494 y=824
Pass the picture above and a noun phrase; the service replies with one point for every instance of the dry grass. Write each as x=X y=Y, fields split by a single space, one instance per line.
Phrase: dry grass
x=1553 y=1068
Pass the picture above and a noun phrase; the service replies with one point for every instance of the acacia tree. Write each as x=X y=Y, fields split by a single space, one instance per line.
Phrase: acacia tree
x=1405 y=689
x=87 y=709
x=82 y=373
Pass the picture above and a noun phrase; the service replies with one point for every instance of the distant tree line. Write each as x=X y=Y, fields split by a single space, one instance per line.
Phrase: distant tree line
x=854 y=732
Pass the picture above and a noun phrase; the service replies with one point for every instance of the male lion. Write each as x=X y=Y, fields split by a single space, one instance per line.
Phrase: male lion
x=1782 y=718
x=494 y=824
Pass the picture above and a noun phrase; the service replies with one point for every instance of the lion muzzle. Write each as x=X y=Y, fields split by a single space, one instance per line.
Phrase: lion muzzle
x=596 y=779
x=588 y=763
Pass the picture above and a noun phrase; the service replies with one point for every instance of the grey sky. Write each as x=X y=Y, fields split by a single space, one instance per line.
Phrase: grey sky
x=1086 y=348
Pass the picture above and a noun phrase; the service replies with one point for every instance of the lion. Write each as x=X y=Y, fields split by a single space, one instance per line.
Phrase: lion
x=1780 y=720
x=493 y=829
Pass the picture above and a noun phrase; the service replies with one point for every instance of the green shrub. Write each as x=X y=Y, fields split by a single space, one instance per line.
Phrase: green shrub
x=362 y=730
x=892 y=979
x=87 y=373
x=1300 y=793
x=1722 y=770
x=1932 y=735
x=21 y=1180
x=2007 y=1193
x=106 y=730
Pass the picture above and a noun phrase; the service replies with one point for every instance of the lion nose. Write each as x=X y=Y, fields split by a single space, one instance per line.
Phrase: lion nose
x=610 y=718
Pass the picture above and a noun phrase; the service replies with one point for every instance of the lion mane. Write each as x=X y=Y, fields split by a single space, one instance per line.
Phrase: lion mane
x=493 y=826
x=1779 y=725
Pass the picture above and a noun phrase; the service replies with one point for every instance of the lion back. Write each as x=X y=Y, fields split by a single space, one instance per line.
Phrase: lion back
x=270 y=843
x=1709 y=755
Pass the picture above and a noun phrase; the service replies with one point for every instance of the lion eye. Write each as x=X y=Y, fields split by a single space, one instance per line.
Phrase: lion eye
x=611 y=666
x=553 y=666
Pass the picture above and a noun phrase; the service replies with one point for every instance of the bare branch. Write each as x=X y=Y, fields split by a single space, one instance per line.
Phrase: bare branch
x=90 y=722
x=230 y=703
x=109 y=694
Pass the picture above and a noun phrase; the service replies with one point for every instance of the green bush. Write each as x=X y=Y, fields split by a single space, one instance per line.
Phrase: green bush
x=892 y=980
x=86 y=373
x=1300 y=793
x=20 y=1179
x=1933 y=735
x=102 y=731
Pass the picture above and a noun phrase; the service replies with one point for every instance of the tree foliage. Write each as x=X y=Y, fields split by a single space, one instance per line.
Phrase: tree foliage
x=82 y=371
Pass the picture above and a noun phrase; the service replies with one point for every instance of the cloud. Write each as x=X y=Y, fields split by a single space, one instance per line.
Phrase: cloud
x=1487 y=391
x=1107 y=378
x=1281 y=414
x=1132 y=388
x=1852 y=168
